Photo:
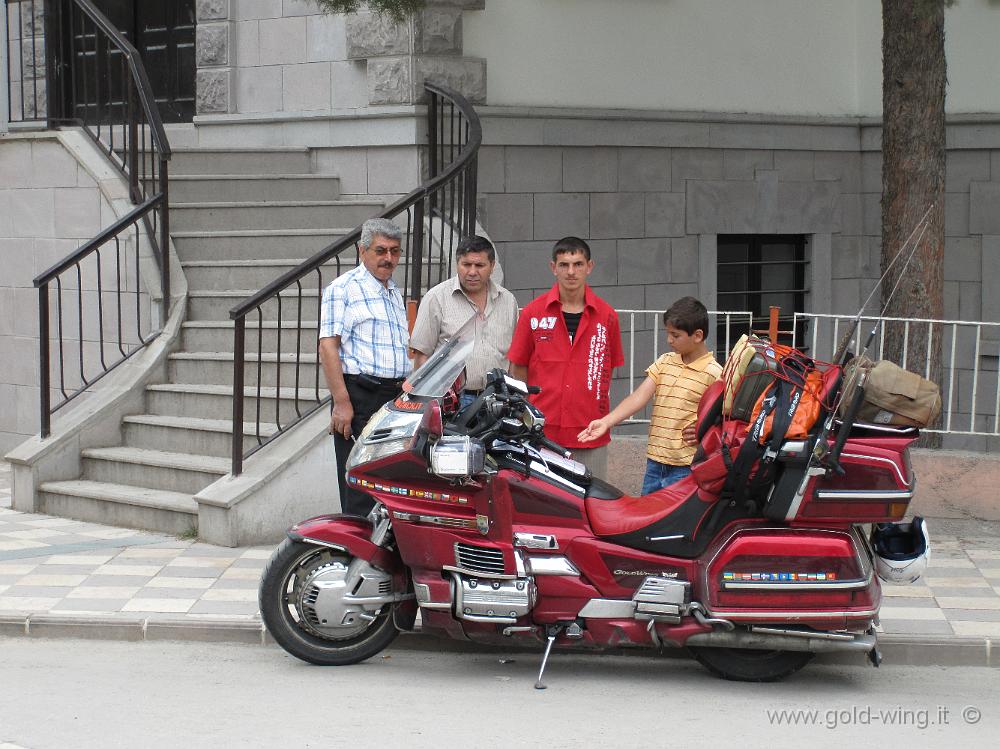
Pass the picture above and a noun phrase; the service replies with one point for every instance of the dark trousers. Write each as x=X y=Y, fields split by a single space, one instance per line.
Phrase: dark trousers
x=366 y=402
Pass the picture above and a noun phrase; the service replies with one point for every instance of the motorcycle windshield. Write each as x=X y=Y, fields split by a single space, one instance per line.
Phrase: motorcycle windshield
x=440 y=371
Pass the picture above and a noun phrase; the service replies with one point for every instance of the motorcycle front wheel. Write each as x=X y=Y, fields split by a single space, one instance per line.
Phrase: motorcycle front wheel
x=741 y=664
x=303 y=604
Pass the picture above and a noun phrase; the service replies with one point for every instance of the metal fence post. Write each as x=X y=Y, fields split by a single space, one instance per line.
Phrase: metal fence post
x=132 y=156
x=43 y=360
x=239 y=339
x=165 y=239
x=417 y=248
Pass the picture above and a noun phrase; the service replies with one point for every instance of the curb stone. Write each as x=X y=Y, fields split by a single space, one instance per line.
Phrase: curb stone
x=897 y=650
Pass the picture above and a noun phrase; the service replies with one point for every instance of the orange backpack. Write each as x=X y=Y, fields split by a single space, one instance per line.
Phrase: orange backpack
x=788 y=408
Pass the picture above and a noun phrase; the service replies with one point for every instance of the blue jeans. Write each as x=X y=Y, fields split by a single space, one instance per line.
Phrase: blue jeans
x=661 y=475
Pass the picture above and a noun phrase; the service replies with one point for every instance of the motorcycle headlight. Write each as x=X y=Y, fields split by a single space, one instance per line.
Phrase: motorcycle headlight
x=387 y=433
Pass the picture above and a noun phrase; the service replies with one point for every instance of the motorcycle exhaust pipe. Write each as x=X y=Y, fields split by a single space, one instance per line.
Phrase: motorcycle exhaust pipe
x=766 y=638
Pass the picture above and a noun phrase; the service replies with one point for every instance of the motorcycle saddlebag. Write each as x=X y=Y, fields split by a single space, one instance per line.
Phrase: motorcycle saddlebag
x=762 y=572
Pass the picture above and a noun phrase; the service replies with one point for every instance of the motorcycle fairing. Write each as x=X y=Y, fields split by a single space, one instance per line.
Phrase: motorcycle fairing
x=617 y=571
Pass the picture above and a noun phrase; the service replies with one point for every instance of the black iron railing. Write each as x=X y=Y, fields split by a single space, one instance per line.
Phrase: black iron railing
x=282 y=377
x=68 y=65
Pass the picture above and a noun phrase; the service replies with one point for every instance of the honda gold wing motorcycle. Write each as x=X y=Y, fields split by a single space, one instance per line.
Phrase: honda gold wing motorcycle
x=494 y=534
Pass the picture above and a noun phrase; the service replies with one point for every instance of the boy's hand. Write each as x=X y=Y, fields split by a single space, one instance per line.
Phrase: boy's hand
x=690 y=435
x=595 y=429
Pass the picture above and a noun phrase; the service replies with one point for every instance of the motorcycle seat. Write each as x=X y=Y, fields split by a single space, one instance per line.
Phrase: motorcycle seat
x=679 y=520
x=615 y=517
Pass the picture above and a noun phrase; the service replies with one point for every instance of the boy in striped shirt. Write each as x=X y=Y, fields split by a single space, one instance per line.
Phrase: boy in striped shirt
x=676 y=381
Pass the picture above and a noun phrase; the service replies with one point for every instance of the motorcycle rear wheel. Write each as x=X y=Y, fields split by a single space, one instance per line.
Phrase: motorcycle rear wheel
x=740 y=664
x=285 y=620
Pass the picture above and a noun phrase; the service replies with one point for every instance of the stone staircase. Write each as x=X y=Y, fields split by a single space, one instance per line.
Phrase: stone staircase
x=239 y=219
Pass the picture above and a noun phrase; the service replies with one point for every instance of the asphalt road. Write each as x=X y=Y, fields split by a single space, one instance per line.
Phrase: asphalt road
x=56 y=694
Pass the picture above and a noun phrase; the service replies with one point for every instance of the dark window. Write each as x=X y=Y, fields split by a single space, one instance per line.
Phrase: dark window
x=758 y=271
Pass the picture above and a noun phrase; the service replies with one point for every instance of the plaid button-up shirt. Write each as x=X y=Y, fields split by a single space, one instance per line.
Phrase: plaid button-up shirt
x=371 y=322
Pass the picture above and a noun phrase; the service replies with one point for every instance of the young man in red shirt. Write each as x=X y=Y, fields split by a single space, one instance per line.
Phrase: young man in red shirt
x=567 y=342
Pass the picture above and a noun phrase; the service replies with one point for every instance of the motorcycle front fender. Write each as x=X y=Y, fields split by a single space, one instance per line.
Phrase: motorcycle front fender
x=352 y=534
x=349 y=533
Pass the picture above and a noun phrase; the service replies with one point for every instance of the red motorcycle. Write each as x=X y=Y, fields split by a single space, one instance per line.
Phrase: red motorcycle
x=494 y=534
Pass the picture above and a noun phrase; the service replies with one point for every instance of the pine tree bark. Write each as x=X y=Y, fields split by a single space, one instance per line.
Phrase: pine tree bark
x=913 y=174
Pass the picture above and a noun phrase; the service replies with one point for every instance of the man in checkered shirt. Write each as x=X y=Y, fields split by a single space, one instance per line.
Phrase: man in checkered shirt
x=363 y=345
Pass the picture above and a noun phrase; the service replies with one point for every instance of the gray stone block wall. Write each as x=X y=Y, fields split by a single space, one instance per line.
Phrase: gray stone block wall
x=290 y=58
x=49 y=205
x=287 y=57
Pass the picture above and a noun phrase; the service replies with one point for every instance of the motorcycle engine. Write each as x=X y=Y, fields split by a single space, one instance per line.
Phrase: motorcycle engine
x=497 y=601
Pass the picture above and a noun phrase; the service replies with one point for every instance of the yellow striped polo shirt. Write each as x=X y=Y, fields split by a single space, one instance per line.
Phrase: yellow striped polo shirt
x=679 y=387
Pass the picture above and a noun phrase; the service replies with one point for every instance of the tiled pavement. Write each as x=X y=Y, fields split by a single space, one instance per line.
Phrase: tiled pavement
x=55 y=567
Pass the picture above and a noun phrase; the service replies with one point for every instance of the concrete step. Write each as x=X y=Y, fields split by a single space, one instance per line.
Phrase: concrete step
x=197 y=188
x=216 y=401
x=116 y=504
x=317 y=214
x=211 y=437
x=256 y=274
x=214 y=304
x=155 y=469
x=257 y=244
x=186 y=161
x=216 y=368
x=217 y=335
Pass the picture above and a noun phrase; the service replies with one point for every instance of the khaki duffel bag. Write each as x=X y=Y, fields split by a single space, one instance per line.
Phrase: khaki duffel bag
x=893 y=395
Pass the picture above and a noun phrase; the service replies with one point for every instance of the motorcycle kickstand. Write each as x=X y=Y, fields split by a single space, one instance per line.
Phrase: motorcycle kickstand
x=553 y=633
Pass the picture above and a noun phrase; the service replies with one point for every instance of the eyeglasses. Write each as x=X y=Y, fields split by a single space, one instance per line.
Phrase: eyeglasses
x=383 y=251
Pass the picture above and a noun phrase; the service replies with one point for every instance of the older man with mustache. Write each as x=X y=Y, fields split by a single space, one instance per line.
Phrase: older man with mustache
x=363 y=345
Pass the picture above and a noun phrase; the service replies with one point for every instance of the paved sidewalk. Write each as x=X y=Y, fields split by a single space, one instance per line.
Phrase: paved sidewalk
x=66 y=570
x=61 y=576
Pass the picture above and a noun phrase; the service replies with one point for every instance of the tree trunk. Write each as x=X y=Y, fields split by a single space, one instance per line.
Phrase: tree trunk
x=913 y=172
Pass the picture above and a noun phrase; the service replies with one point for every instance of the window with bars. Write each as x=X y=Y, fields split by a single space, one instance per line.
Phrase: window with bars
x=758 y=271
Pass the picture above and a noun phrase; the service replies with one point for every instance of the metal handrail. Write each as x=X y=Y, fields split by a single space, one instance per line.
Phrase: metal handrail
x=126 y=115
x=431 y=200
x=92 y=245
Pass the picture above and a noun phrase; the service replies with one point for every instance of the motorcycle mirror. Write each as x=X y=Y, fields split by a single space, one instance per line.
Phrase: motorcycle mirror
x=432 y=422
x=516 y=385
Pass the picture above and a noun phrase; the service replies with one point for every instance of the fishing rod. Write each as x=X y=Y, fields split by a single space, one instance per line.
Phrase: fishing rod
x=840 y=356
x=822 y=452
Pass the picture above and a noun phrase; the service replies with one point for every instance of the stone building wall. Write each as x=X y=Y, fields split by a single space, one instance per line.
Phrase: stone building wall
x=286 y=58
x=49 y=206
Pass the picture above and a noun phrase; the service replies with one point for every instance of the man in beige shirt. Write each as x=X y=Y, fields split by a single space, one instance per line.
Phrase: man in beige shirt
x=450 y=304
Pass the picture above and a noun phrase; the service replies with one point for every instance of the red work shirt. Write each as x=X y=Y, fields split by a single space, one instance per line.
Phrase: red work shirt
x=575 y=378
